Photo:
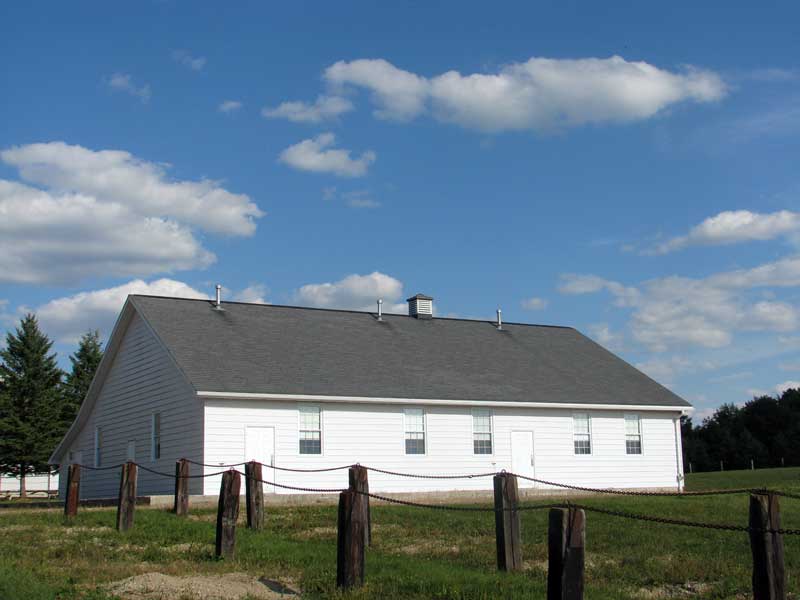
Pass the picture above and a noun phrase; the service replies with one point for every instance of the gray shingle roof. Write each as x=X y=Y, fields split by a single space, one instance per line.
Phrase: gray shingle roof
x=253 y=348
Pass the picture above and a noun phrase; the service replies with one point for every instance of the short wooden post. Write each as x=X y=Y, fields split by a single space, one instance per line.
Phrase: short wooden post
x=769 y=575
x=350 y=540
x=359 y=482
x=566 y=537
x=507 y=522
x=180 y=506
x=127 y=496
x=73 y=491
x=227 y=513
x=254 y=495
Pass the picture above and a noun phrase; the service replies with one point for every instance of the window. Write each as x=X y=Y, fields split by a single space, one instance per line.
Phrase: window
x=415 y=431
x=98 y=447
x=131 y=451
x=155 y=436
x=481 y=432
x=633 y=434
x=582 y=433
x=310 y=430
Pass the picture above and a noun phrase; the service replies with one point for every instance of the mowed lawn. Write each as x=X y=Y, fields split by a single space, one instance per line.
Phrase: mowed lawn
x=416 y=553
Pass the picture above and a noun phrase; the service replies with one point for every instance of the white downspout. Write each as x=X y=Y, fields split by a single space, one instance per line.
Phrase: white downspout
x=678 y=452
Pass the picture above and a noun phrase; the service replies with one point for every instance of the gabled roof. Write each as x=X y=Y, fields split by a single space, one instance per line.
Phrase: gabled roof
x=269 y=349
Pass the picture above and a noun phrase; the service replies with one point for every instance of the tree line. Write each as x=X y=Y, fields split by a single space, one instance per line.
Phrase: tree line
x=765 y=430
x=39 y=401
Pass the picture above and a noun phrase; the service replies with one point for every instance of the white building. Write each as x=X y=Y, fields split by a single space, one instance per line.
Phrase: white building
x=311 y=388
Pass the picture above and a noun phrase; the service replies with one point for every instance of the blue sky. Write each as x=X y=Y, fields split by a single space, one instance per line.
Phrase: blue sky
x=629 y=170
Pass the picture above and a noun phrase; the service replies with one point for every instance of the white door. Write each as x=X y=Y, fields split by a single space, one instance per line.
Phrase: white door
x=522 y=459
x=259 y=445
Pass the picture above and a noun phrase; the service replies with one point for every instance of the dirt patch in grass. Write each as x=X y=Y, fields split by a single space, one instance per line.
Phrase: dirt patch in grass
x=435 y=547
x=690 y=589
x=230 y=586
x=316 y=532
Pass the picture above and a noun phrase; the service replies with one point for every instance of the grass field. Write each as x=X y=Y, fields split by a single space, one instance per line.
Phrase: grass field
x=416 y=553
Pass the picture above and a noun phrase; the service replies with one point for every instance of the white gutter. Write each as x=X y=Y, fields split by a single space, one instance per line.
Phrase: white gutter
x=431 y=401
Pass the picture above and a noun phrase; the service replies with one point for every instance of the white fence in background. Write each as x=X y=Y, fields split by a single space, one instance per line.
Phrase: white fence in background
x=36 y=485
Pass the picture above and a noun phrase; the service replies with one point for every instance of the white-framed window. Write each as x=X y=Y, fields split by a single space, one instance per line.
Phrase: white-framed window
x=131 y=456
x=98 y=447
x=310 y=430
x=415 y=430
x=481 y=431
x=155 y=436
x=633 y=434
x=582 y=433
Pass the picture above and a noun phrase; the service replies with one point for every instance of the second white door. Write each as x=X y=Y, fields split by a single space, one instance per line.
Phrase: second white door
x=522 y=457
x=259 y=445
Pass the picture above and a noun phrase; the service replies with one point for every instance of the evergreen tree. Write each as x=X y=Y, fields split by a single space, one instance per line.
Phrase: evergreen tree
x=84 y=365
x=30 y=403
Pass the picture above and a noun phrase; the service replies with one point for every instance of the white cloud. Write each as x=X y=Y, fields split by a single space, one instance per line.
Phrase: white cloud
x=122 y=82
x=665 y=368
x=674 y=311
x=733 y=227
x=229 y=106
x=255 y=294
x=539 y=94
x=67 y=318
x=142 y=186
x=534 y=303
x=184 y=58
x=360 y=199
x=324 y=108
x=605 y=336
x=316 y=156
x=355 y=292
x=106 y=213
x=787 y=385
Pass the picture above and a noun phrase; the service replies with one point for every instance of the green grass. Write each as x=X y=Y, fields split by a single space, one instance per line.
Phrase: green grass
x=416 y=553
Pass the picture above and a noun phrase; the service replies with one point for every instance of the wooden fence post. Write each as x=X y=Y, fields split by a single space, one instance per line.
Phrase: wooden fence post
x=127 y=496
x=227 y=514
x=359 y=481
x=507 y=522
x=73 y=491
x=254 y=495
x=769 y=575
x=180 y=505
x=350 y=540
x=566 y=537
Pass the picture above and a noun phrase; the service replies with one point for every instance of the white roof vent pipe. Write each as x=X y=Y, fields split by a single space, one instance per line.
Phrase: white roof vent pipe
x=380 y=309
x=218 y=299
x=420 y=306
x=499 y=319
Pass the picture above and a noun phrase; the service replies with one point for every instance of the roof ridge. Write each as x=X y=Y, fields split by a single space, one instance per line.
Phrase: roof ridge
x=348 y=311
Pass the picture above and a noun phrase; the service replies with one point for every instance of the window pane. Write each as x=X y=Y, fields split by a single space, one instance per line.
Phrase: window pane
x=310 y=446
x=415 y=419
x=482 y=444
x=632 y=425
x=481 y=421
x=582 y=444
x=581 y=423
x=633 y=444
x=415 y=446
x=309 y=417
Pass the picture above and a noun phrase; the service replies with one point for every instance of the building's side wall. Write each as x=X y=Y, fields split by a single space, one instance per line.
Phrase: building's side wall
x=373 y=435
x=142 y=380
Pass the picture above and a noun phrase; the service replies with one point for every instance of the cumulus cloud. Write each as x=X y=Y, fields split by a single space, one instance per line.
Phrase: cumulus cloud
x=105 y=213
x=733 y=227
x=355 y=292
x=67 y=318
x=539 y=94
x=324 y=108
x=787 y=385
x=255 y=294
x=229 y=106
x=534 y=303
x=605 y=336
x=673 y=311
x=316 y=155
x=183 y=57
x=122 y=82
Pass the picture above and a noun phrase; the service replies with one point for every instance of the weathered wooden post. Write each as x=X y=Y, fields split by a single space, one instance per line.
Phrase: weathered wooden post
x=180 y=505
x=350 y=540
x=359 y=482
x=769 y=575
x=227 y=514
x=127 y=496
x=254 y=495
x=73 y=491
x=566 y=537
x=507 y=522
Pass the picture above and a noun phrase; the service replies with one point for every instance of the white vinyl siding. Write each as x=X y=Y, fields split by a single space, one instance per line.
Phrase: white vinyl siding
x=155 y=436
x=310 y=430
x=481 y=431
x=582 y=433
x=414 y=430
x=633 y=434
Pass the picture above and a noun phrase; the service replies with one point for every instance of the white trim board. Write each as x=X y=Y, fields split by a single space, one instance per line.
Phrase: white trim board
x=434 y=402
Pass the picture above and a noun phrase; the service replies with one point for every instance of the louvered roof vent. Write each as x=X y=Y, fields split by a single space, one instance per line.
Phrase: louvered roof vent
x=420 y=306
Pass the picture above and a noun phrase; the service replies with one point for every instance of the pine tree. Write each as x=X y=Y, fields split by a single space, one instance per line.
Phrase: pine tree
x=30 y=402
x=84 y=365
